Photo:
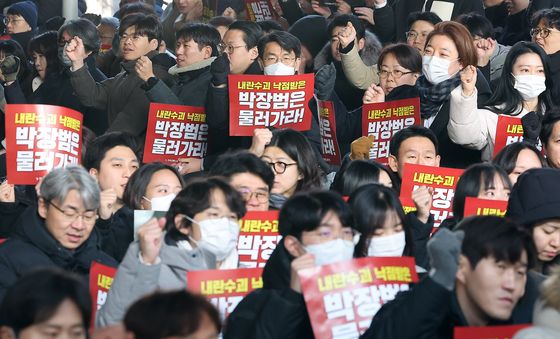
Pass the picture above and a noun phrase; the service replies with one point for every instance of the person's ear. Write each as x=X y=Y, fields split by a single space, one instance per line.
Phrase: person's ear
x=206 y=52
x=42 y=207
x=393 y=163
x=154 y=44
x=438 y=159
x=297 y=64
x=464 y=269
x=361 y=44
x=94 y=173
x=7 y=332
x=253 y=53
x=293 y=246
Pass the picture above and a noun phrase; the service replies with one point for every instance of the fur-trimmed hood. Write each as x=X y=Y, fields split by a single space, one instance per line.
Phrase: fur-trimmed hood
x=369 y=54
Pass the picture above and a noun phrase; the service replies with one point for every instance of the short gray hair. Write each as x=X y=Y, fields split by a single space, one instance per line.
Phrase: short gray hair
x=110 y=21
x=60 y=181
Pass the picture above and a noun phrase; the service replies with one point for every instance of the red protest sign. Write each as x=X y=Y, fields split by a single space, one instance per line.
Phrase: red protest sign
x=258 y=101
x=475 y=206
x=259 y=10
x=175 y=132
x=100 y=281
x=488 y=332
x=384 y=119
x=40 y=138
x=258 y=237
x=225 y=288
x=342 y=298
x=508 y=130
x=443 y=181
x=327 y=129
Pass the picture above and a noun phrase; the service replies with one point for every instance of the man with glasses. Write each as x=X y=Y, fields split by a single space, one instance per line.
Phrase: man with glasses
x=21 y=22
x=546 y=33
x=58 y=232
x=122 y=96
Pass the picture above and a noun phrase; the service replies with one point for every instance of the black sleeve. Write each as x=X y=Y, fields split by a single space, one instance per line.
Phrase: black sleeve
x=292 y=11
x=384 y=27
x=484 y=91
x=417 y=313
x=420 y=236
x=14 y=94
x=115 y=234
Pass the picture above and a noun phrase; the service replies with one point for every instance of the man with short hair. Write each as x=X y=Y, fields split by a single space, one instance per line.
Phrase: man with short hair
x=58 y=232
x=111 y=159
x=125 y=101
x=249 y=175
x=21 y=22
x=479 y=277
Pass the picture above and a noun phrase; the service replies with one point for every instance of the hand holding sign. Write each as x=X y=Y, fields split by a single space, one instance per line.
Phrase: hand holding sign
x=107 y=201
x=143 y=68
x=444 y=249
x=150 y=236
x=468 y=80
x=261 y=138
x=422 y=198
x=374 y=94
x=302 y=262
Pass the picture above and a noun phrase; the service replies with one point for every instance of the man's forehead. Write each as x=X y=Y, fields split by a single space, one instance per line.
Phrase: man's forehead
x=274 y=47
x=233 y=34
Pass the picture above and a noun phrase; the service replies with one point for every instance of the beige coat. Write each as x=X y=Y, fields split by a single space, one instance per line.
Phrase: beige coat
x=357 y=72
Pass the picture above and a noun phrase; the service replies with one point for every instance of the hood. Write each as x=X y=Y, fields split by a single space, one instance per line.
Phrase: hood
x=369 y=54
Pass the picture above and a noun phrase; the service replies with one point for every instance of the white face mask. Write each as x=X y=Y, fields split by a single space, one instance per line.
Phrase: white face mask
x=331 y=251
x=279 y=69
x=388 y=246
x=435 y=69
x=161 y=203
x=529 y=86
x=218 y=236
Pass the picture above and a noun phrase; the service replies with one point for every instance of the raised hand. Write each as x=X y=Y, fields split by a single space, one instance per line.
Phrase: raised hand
x=144 y=68
x=347 y=35
x=373 y=94
x=422 y=198
x=76 y=51
x=107 y=202
x=261 y=138
x=150 y=237
x=468 y=80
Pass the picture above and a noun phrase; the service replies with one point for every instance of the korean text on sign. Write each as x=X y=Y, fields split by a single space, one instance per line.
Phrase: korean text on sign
x=475 y=206
x=100 y=281
x=508 y=130
x=342 y=298
x=259 y=101
x=383 y=120
x=40 y=138
x=225 y=288
x=327 y=129
x=442 y=180
x=175 y=132
x=258 y=237
x=259 y=10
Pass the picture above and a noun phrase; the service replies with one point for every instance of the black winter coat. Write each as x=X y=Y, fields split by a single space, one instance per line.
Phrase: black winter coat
x=33 y=247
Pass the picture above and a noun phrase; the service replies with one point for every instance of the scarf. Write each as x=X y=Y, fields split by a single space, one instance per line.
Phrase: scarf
x=432 y=97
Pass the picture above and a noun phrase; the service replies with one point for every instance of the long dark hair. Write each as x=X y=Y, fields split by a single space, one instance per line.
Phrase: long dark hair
x=47 y=44
x=506 y=96
x=371 y=205
x=507 y=157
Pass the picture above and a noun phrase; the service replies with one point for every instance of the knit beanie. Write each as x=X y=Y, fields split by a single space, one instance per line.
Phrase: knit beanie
x=535 y=197
x=311 y=30
x=28 y=10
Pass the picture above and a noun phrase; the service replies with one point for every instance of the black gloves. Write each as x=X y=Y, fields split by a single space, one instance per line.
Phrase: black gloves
x=10 y=68
x=324 y=81
x=220 y=70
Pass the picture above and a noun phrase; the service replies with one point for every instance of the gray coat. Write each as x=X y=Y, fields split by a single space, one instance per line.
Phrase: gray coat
x=135 y=279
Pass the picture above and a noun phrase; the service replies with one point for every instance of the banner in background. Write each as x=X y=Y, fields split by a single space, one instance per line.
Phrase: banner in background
x=327 y=129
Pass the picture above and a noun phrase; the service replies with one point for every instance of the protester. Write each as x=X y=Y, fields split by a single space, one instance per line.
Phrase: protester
x=518 y=157
x=354 y=174
x=523 y=91
x=46 y=303
x=172 y=314
x=311 y=30
x=21 y=22
x=58 y=231
x=546 y=33
x=479 y=277
x=534 y=204
x=199 y=232
x=517 y=24
x=550 y=137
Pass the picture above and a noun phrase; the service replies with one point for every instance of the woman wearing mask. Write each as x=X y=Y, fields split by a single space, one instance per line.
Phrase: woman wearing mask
x=482 y=181
x=199 y=232
x=518 y=157
x=294 y=163
x=449 y=49
x=523 y=88
x=316 y=230
x=385 y=229
x=152 y=187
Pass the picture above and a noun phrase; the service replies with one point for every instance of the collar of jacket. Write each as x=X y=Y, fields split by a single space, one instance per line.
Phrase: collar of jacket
x=175 y=70
x=554 y=63
x=128 y=65
x=32 y=229
x=254 y=68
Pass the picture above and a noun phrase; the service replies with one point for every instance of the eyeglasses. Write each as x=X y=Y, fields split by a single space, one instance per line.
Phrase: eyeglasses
x=7 y=20
x=228 y=48
x=384 y=74
x=286 y=60
x=134 y=37
x=412 y=35
x=71 y=215
x=279 y=167
x=247 y=194
x=544 y=32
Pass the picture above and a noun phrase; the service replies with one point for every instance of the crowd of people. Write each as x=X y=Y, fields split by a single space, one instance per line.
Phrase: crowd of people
x=468 y=61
